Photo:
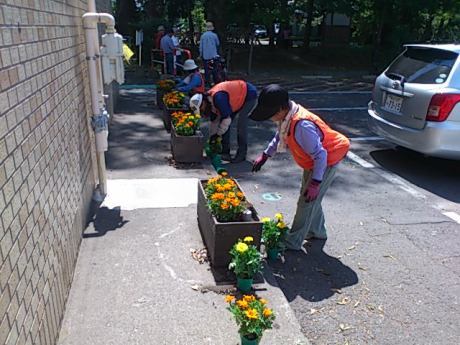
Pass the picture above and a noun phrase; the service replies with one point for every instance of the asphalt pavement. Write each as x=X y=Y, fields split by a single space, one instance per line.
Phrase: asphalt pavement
x=389 y=272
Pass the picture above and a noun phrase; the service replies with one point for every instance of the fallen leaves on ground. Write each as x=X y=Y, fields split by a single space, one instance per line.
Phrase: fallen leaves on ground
x=344 y=301
x=336 y=290
x=344 y=327
x=389 y=256
x=200 y=255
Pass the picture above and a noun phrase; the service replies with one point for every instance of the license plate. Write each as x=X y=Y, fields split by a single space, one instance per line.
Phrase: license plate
x=393 y=103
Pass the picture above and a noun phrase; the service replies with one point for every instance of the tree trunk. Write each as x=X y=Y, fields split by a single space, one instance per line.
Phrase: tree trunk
x=306 y=39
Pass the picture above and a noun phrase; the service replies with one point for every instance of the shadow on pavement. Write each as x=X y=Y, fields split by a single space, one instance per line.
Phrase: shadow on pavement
x=103 y=221
x=436 y=175
x=313 y=277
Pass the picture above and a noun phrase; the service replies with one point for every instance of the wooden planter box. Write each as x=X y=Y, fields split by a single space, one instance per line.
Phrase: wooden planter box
x=218 y=237
x=187 y=149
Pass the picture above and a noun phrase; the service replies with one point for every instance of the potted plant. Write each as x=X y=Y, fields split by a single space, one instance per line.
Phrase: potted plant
x=163 y=86
x=187 y=141
x=252 y=317
x=173 y=101
x=273 y=234
x=224 y=216
x=246 y=263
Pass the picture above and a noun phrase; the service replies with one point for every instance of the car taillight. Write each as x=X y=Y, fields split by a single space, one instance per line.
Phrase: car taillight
x=441 y=105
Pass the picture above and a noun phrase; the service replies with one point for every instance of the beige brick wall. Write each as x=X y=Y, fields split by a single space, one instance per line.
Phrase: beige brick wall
x=46 y=163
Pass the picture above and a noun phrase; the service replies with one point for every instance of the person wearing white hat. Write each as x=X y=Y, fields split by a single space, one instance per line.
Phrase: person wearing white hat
x=193 y=83
x=209 y=47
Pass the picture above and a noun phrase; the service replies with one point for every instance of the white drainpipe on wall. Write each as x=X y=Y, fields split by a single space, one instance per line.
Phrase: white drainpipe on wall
x=93 y=56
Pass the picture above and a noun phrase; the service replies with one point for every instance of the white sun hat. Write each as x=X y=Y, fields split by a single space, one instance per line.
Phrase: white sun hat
x=195 y=102
x=189 y=65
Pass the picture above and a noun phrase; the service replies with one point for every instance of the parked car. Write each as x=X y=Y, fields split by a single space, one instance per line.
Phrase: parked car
x=416 y=100
x=260 y=31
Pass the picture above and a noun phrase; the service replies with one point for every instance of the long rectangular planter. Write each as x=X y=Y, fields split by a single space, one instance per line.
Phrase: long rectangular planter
x=187 y=149
x=219 y=237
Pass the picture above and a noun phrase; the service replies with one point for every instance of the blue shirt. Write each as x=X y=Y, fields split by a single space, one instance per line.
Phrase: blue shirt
x=309 y=137
x=209 y=44
x=222 y=100
x=167 y=44
x=195 y=81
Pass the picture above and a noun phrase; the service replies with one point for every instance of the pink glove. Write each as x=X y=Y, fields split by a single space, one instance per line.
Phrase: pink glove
x=312 y=191
x=259 y=162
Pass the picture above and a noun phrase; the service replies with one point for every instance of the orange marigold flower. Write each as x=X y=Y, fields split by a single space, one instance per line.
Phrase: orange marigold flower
x=224 y=206
x=251 y=314
x=263 y=301
x=240 y=195
x=229 y=298
x=235 y=202
x=231 y=195
x=249 y=298
x=267 y=312
x=242 y=304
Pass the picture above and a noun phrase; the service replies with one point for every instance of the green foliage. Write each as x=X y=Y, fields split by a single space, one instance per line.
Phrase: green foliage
x=251 y=315
x=246 y=259
x=274 y=232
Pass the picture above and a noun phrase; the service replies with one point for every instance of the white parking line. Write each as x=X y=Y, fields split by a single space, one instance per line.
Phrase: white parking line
x=396 y=180
x=294 y=93
x=367 y=139
x=338 y=109
x=452 y=215
x=359 y=160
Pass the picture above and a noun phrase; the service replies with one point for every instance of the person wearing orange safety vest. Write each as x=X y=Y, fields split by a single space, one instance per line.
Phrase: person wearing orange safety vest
x=222 y=104
x=315 y=147
x=194 y=82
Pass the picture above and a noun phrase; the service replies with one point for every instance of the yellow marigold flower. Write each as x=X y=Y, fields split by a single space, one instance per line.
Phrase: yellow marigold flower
x=241 y=247
x=242 y=304
x=248 y=239
x=267 y=312
x=281 y=225
x=224 y=206
x=224 y=173
x=279 y=216
x=229 y=298
x=220 y=188
x=235 y=202
x=263 y=301
x=240 y=195
x=249 y=298
x=266 y=219
x=251 y=314
x=231 y=195
x=197 y=116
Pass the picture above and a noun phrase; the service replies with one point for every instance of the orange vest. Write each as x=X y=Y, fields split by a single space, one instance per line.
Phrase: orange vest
x=199 y=89
x=236 y=89
x=335 y=143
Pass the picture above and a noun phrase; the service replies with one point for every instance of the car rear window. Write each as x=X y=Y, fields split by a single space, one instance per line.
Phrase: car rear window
x=423 y=65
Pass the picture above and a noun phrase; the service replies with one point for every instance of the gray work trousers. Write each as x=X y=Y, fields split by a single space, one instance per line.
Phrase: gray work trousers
x=242 y=129
x=309 y=216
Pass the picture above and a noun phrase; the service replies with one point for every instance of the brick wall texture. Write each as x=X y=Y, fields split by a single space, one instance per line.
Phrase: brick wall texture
x=47 y=169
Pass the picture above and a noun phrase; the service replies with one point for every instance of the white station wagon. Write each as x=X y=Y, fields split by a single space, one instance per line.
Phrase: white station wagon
x=416 y=100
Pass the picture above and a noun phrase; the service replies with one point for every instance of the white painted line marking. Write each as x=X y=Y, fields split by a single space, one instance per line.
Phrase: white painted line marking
x=338 y=109
x=350 y=92
x=387 y=176
x=400 y=183
x=151 y=193
x=359 y=160
x=452 y=215
x=367 y=139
